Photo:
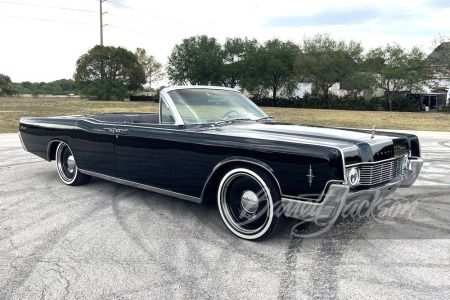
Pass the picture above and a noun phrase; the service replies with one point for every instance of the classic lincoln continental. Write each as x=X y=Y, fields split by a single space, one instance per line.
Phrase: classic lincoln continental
x=213 y=144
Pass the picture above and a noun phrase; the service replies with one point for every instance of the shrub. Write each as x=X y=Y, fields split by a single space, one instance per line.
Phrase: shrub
x=36 y=93
x=105 y=89
x=445 y=108
x=402 y=103
x=348 y=102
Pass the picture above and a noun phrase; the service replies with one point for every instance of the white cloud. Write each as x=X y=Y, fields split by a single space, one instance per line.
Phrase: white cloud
x=38 y=50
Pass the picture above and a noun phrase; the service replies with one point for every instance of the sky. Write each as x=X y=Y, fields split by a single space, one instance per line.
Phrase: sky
x=42 y=40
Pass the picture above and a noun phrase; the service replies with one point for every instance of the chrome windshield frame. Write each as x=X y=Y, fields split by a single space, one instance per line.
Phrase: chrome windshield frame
x=164 y=96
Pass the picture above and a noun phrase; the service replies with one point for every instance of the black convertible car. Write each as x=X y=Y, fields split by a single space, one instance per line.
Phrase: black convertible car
x=214 y=144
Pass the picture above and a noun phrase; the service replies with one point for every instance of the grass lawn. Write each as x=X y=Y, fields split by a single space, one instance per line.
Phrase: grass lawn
x=428 y=121
x=12 y=109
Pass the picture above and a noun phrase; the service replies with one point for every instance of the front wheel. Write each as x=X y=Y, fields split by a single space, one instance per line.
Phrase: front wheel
x=248 y=201
x=67 y=166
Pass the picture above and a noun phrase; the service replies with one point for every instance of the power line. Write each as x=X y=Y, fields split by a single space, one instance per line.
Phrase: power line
x=92 y=11
x=160 y=17
x=143 y=33
x=47 y=20
x=48 y=6
x=143 y=23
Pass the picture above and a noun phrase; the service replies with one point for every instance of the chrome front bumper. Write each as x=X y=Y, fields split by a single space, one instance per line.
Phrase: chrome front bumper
x=21 y=141
x=339 y=194
x=331 y=205
x=415 y=165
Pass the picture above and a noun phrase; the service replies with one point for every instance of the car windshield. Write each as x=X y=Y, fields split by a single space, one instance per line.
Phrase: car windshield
x=198 y=106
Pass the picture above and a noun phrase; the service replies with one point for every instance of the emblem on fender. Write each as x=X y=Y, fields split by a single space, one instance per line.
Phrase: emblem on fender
x=310 y=176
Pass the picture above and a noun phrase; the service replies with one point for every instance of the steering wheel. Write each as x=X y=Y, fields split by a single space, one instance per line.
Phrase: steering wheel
x=229 y=113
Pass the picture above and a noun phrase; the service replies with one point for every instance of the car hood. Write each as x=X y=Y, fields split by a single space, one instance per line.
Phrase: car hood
x=357 y=145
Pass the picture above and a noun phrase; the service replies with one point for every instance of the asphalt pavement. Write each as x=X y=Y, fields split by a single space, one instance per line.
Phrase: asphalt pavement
x=109 y=241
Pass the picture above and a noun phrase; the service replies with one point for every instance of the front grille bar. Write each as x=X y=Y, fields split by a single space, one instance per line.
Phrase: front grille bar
x=376 y=173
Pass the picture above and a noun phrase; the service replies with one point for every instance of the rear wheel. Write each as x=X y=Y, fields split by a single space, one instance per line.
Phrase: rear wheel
x=67 y=166
x=248 y=201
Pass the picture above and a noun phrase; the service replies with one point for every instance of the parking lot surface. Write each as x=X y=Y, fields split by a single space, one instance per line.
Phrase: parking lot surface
x=110 y=241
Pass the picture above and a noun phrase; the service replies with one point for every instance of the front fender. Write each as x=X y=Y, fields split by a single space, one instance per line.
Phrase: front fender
x=235 y=159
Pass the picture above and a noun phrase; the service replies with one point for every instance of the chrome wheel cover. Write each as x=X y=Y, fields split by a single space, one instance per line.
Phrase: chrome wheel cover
x=245 y=203
x=65 y=164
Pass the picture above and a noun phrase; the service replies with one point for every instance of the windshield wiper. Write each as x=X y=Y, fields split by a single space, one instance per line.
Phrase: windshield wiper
x=265 y=118
x=225 y=121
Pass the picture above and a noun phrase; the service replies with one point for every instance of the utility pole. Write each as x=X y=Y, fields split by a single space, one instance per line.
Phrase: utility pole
x=101 y=22
x=102 y=69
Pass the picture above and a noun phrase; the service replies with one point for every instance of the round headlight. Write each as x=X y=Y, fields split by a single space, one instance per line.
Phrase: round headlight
x=353 y=176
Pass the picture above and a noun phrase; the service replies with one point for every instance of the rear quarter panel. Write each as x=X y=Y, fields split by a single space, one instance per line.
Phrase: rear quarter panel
x=37 y=133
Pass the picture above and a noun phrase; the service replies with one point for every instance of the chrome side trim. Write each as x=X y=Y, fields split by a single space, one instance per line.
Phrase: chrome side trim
x=415 y=165
x=181 y=128
x=21 y=141
x=142 y=186
x=331 y=206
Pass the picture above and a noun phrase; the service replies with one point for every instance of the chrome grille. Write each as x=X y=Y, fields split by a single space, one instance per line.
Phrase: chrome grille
x=376 y=173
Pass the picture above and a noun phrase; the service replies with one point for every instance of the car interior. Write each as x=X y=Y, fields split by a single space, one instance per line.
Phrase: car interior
x=126 y=118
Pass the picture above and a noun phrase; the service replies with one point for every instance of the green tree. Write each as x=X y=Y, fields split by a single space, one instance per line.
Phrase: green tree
x=271 y=67
x=197 y=60
x=325 y=61
x=52 y=88
x=439 y=59
x=5 y=84
x=393 y=69
x=26 y=85
x=67 y=85
x=57 y=87
x=36 y=93
x=106 y=73
x=235 y=51
x=16 y=89
x=34 y=86
x=152 y=68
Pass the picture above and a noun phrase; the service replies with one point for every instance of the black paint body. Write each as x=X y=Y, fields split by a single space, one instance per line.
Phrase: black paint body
x=183 y=159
